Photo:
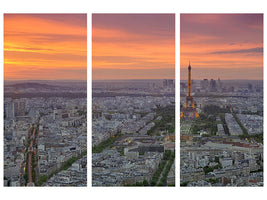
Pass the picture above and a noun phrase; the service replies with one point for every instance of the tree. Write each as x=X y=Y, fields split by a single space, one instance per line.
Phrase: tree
x=183 y=184
x=217 y=159
x=145 y=182
x=139 y=184
x=153 y=182
x=161 y=183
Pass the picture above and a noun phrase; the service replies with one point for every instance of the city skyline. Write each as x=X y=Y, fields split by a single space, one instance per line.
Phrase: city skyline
x=133 y=46
x=225 y=46
x=44 y=46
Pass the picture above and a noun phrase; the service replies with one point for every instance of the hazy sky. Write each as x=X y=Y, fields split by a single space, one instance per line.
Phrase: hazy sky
x=226 y=46
x=133 y=46
x=45 y=46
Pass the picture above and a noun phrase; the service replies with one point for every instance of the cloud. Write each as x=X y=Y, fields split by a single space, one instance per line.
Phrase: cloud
x=251 y=50
x=255 y=73
x=102 y=74
x=222 y=41
x=132 y=44
x=47 y=74
x=140 y=24
x=42 y=45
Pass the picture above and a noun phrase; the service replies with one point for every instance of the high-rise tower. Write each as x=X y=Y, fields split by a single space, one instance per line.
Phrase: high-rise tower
x=189 y=110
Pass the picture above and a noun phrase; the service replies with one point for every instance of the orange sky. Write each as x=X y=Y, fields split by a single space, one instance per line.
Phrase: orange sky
x=226 y=46
x=133 y=46
x=45 y=46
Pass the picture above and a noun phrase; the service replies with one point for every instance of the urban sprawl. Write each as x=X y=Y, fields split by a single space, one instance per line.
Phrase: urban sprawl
x=224 y=145
x=45 y=134
x=133 y=132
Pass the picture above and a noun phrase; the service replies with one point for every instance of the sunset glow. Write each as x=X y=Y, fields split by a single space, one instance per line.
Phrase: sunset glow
x=226 y=46
x=45 y=46
x=133 y=46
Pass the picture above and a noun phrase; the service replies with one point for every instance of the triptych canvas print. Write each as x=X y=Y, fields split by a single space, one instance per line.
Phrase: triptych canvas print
x=139 y=125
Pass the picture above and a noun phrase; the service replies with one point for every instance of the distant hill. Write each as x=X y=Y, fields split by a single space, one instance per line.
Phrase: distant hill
x=32 y=85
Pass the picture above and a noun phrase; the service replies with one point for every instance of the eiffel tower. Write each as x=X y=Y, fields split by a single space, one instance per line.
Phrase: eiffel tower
x=189 y=111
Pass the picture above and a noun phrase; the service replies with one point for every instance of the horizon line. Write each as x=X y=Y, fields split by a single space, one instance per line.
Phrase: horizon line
x=133 y=79
x=46 y=80
x=226 y=79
